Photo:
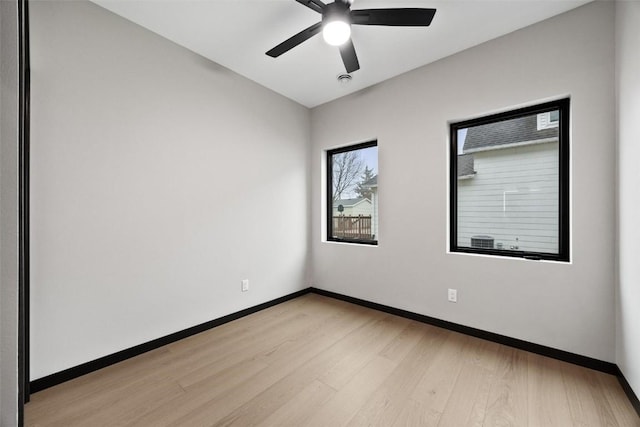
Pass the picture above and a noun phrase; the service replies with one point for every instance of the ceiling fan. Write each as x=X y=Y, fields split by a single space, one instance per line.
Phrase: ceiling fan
x=337 y=18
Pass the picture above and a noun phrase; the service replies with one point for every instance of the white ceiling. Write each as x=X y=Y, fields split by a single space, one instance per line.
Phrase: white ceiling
x=237 y=33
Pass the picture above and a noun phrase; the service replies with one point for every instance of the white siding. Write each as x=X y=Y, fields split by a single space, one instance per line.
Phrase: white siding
x=513 y=198
x=362 y=208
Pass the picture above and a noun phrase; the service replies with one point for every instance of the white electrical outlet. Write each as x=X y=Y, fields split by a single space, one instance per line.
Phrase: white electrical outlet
x=453 y=295
x=245 y=285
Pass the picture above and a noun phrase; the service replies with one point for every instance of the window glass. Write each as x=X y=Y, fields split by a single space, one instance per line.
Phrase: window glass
x=510 y=184
x=352 y=199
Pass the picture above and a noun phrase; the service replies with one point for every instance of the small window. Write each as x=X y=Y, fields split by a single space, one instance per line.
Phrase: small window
x=510 y=183
x=352 y=194
x=548 y=120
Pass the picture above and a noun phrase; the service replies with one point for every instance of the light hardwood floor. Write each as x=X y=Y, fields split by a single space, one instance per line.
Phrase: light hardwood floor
x=316 y=361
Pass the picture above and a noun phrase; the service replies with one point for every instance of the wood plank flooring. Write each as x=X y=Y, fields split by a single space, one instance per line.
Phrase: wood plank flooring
x=316 y=361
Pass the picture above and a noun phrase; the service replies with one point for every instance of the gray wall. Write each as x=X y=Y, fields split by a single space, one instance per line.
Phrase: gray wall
x=160 y=180
x=8 y=214
x=628 y=88
x=569 y=306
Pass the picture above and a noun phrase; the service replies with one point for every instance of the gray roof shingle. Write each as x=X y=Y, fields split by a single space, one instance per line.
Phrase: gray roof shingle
x=512 y=131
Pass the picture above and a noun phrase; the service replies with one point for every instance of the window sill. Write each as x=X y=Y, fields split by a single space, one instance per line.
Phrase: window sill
x=351 y=243
x=513 y=258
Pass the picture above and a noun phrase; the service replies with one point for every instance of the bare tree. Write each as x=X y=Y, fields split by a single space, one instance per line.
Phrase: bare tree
x=347 y=168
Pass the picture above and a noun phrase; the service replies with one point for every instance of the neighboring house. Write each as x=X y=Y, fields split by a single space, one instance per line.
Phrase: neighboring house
x=352 y=207
x=508 y=185
x=372 y=184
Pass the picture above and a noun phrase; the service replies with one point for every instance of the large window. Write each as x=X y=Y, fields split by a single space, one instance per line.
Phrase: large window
x=510 y=183
x=352 y=194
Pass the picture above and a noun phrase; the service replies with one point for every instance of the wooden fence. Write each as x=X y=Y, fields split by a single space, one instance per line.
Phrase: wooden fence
x=352 y=227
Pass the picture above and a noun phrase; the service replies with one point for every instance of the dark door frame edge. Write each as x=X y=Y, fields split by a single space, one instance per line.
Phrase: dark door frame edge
x=24 y=87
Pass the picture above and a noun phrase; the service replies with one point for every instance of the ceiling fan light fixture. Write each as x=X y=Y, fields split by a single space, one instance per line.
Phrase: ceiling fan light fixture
x=336 y=32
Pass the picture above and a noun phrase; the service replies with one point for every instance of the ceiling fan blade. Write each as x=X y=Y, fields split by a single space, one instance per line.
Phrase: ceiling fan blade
x=402 y=17
x=315 y=5
x=294 y=41
x=349 y=57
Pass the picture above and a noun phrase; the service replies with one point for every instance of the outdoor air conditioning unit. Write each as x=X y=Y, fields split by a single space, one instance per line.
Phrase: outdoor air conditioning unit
x=484 y=242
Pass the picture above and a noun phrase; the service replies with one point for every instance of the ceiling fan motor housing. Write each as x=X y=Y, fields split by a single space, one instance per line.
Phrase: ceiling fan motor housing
x=336 y=11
